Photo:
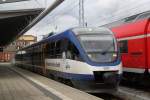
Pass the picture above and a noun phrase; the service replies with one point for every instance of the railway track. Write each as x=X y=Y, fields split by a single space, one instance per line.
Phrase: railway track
x=125 y=93
x=107 y=96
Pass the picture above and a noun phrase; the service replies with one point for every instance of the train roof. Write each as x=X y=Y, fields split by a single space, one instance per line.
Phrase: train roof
x=98 y=30
x=130 y=29
x=76 y=31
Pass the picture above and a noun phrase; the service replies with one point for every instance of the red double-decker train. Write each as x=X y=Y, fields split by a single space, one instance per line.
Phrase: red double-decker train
x=134 y=42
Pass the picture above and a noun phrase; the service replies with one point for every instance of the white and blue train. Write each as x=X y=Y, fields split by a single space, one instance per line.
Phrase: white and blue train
x=86 y=58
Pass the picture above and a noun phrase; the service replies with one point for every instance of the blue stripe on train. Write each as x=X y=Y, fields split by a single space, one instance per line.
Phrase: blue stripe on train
x=72 y=75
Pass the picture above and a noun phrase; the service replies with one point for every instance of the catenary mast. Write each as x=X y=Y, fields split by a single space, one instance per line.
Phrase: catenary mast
x=81 y=13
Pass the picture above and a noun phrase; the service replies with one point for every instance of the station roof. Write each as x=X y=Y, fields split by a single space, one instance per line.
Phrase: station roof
x=13 y=22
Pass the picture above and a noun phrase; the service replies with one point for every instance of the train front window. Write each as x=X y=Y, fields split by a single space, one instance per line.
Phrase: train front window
x=99 y=48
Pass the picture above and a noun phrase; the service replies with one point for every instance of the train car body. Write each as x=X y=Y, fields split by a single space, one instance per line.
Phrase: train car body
x=87 y=57
x=134 y=42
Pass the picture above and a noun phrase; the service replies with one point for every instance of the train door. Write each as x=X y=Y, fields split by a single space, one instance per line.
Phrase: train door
x=133 y=55
x=64 y=44
x=32 y=58
x=148 y=46
x=71 y=56
x=43 y=55
x=137 y=54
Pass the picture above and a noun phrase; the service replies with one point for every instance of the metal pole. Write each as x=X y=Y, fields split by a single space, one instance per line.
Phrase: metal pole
x=81 y=13
x=41 y=16
x=45 y=3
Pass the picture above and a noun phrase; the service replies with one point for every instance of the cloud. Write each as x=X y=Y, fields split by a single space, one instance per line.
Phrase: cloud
x=29 y=4
x=99 y=9
x=59 y=24
x=97 y=13
x=64 y=22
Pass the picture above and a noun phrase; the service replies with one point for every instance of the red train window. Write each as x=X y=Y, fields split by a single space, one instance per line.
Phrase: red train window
x=123 y=46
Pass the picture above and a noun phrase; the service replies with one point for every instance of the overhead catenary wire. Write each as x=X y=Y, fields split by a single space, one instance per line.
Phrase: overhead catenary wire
x=120 y=15
x=41 y=16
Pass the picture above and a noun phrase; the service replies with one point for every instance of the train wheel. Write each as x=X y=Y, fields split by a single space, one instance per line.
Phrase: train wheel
x=68 y=82
x=51 y=76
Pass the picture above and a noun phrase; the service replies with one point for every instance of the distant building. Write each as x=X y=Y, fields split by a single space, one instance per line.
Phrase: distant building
x=8 y=52
x=25 y=40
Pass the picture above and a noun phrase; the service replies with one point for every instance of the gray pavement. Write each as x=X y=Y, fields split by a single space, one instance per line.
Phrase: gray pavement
x=20 y=84
x=15 y=87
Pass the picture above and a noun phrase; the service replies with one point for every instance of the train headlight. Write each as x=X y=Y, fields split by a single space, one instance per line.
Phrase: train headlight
x=89 y=55
x=120 y=68
x=114 y=56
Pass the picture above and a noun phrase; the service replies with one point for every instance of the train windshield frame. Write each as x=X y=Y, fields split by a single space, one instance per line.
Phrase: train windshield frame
x=100 y=48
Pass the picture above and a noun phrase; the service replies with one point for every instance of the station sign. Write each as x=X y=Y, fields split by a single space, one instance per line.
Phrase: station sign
x=11 y=1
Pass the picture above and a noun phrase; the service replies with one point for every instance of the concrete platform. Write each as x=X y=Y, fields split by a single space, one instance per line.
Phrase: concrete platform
x=15 y=87
x=25 y=85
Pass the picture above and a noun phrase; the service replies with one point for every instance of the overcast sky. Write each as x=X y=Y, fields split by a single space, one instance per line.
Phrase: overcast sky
x=29 y=4
x=66 y=15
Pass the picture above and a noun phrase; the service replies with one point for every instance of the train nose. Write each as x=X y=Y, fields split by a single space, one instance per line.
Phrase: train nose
x=110 y=78
x=107 y=77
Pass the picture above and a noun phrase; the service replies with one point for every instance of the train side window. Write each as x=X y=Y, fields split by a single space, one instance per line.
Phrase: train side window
x=72 y=52
x=52 y=51
x=142 y=16
x=49 y=50
x=58 y=52
x=123 y=46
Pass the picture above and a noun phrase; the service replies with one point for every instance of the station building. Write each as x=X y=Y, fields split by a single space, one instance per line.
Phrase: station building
x=7 y=53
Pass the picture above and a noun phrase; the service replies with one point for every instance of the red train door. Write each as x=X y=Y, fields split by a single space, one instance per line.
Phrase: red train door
x=137 y=53
x=133 y=54
x=148 y=47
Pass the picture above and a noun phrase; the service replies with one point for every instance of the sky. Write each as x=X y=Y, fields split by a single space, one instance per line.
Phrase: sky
x=26 y=4
x=66 y=15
